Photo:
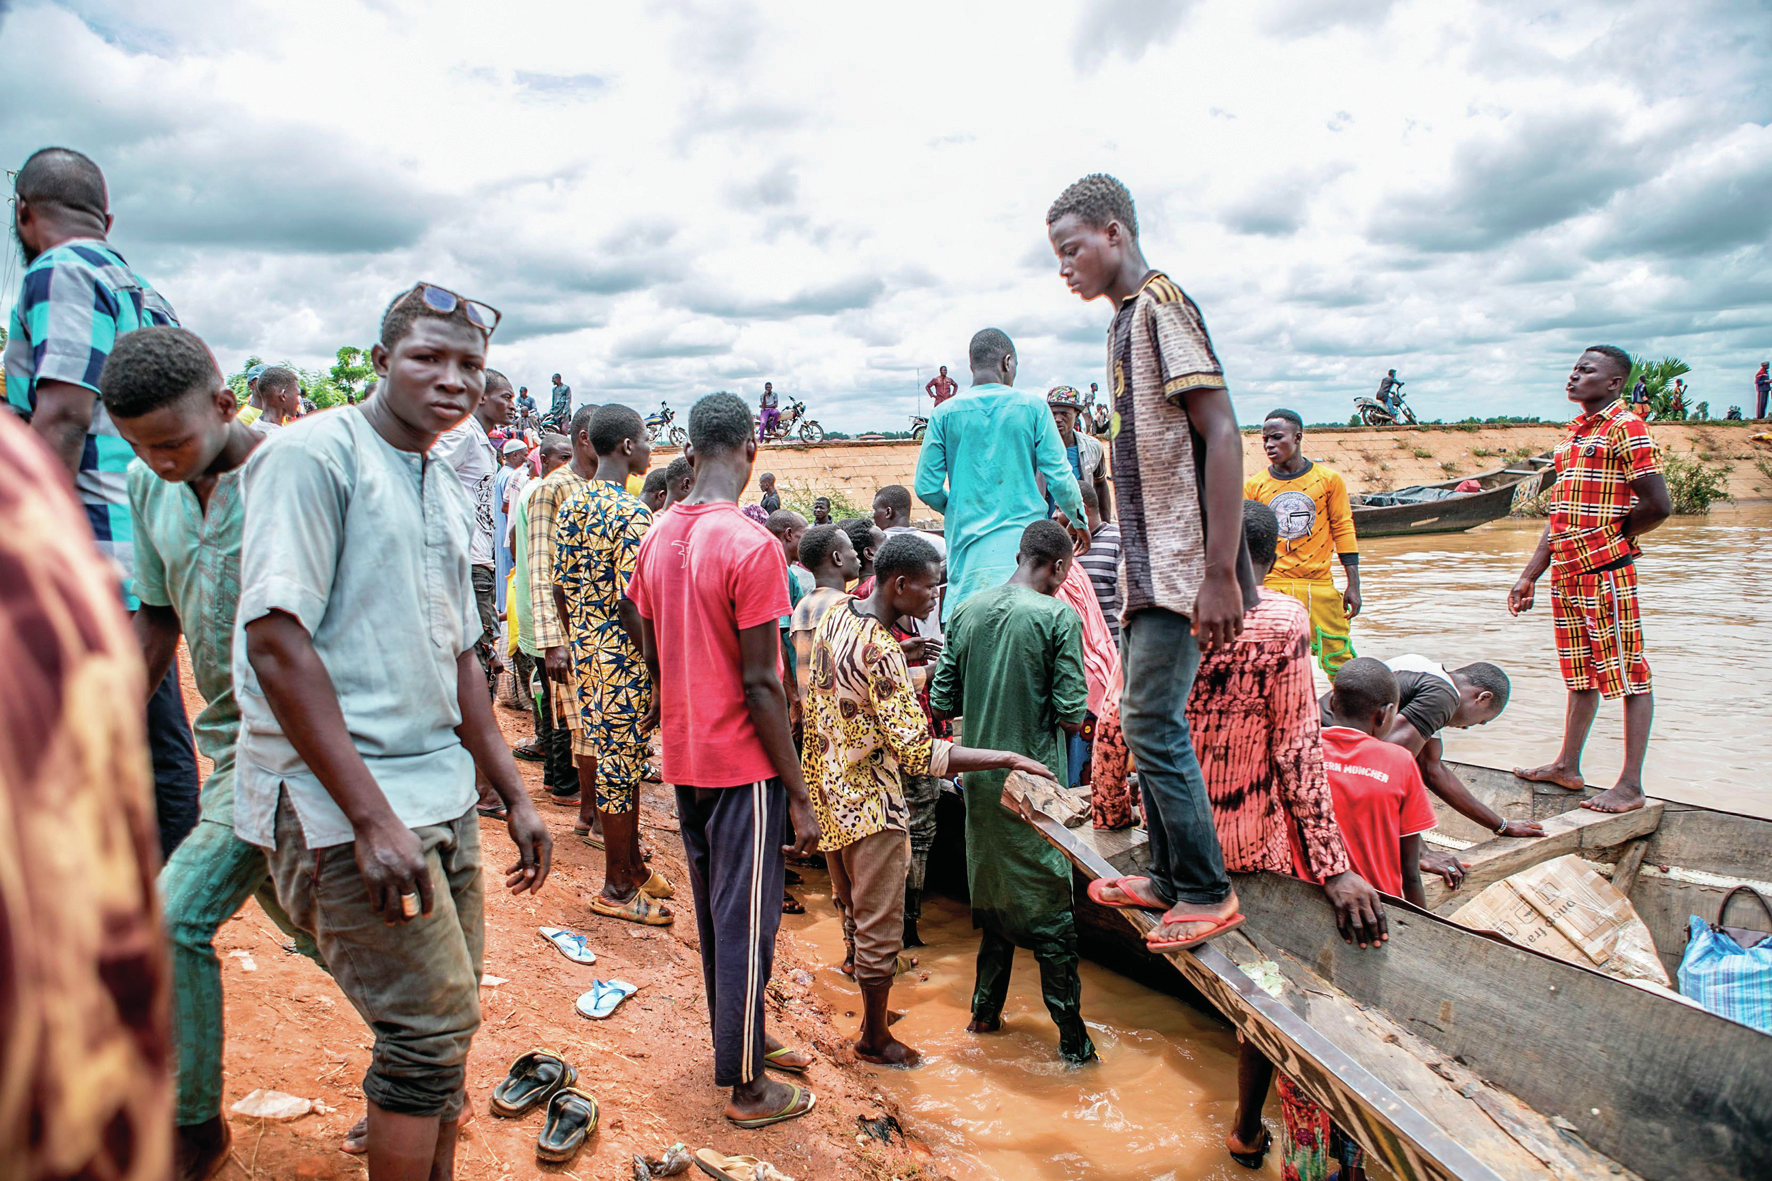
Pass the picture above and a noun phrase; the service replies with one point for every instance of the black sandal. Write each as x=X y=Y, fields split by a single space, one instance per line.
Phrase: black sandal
x=532 y=1080
x=1252 y=1160
x=572 y=1117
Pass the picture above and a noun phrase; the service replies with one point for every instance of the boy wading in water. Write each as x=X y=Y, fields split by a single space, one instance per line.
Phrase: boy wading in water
x=1609 y=492
x=1013 y=668
x=1316 y=519
x=358 y=775
x=166 y=398
x=711 y=586
x=865 y=736
x=596 y=544
x=1178 y=469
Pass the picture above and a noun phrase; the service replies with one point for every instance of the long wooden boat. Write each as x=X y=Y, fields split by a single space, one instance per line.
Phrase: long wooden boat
x=1455 y=514
x=1450 y=1053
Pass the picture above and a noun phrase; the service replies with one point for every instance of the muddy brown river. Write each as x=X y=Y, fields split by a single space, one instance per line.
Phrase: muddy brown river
x=1160 y=1101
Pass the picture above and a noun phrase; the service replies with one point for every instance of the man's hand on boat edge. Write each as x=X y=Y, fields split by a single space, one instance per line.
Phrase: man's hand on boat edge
x=1359 y=911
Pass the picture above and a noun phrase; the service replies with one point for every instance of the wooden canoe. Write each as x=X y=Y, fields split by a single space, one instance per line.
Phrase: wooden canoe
x=1456 y=514
x=1453 y=1054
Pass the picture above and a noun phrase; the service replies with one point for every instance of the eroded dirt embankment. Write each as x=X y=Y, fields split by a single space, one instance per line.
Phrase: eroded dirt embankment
x=1370 y=460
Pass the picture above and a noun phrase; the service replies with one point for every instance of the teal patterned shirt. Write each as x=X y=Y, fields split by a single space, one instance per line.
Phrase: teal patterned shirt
x=73 y=304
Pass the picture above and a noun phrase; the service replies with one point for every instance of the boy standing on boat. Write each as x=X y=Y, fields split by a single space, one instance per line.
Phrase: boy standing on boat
x=1609 y=492
x=1178 y=460
x=1311 y=504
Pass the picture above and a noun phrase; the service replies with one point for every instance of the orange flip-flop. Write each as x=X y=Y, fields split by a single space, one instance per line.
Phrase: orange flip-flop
x=1222 y=925
x=1097 y=891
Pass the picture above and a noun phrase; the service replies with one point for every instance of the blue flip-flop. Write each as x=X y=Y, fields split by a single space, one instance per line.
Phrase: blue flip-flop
x=571 y=944
x=603 y=999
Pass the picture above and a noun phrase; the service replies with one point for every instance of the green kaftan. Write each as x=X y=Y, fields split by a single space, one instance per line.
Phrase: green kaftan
x=1012 y=668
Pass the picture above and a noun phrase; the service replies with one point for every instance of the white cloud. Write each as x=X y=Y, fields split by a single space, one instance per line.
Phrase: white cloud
x=672 y=198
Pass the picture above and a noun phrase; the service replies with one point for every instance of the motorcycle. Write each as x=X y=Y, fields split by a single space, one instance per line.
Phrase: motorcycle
x=1373 y=413
x=660 y=429
x=919 y=425
x=556 y=424
x=790 y=421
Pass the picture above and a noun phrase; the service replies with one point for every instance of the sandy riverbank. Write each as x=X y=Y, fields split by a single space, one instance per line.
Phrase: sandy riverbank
x=1371 y=460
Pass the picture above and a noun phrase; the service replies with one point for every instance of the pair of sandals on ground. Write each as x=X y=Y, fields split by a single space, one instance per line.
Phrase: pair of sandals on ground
x=1184 y=925
x=542 y=1078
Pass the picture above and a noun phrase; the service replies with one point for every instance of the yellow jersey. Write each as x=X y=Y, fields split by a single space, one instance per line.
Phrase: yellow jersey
x=1316 y=519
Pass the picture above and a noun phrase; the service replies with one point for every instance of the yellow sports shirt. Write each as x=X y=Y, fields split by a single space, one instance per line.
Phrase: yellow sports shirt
x=1315 y=519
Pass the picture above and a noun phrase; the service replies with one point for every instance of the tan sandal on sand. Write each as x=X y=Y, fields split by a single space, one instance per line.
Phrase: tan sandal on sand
x=659 y=886
x=642 y=908
x=737 y=1168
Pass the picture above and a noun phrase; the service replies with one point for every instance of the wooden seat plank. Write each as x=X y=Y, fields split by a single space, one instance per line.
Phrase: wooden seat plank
x=1574 y=831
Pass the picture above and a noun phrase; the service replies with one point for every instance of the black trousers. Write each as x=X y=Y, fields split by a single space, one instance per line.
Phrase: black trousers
x=175 y=764
x=732 y=837
x=557 y=770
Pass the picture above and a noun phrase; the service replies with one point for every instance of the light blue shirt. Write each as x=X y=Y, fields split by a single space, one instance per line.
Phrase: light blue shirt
x=363 y=544
x=189 y=560
x=980 y=456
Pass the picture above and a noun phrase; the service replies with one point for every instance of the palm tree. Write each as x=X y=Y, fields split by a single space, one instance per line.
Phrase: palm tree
x=1658 y=377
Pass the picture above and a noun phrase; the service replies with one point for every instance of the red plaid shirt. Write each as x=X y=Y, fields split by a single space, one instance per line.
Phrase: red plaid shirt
x=1595 y=465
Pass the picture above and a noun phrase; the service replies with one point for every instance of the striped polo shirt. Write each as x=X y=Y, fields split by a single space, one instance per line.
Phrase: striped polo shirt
x=75 y=301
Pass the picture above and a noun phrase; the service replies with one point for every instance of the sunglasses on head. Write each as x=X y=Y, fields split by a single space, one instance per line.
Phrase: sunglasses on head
x=440 y=299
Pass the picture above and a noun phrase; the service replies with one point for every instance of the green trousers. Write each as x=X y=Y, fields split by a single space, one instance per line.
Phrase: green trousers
x=209 y=878
x=1061 y=986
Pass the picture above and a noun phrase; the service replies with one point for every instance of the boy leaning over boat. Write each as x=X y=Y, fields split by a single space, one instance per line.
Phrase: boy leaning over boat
x=1609 y=492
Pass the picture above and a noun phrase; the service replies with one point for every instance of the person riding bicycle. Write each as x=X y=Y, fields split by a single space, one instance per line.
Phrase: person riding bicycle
x=769 y=415
x=1386 y=384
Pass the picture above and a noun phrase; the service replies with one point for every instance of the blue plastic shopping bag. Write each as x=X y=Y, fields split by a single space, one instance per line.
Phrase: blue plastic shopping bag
x=1728 y=970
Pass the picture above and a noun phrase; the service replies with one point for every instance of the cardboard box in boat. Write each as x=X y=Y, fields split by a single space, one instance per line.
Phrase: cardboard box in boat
x=1564 y=909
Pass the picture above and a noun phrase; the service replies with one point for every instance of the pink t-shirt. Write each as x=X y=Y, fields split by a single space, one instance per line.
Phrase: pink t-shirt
x=705 y=573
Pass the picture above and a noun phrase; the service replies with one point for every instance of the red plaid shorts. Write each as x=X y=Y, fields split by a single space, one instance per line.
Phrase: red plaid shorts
x=1600 y=632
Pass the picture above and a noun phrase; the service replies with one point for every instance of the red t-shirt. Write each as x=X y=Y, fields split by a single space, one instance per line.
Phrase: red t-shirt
x=705 y=572
x=1379 y=799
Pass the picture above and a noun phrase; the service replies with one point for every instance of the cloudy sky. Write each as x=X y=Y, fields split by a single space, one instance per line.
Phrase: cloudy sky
x=668 y=198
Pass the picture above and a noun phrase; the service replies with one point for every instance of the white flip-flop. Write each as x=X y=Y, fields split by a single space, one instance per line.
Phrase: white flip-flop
x=571 y=944
x=604 y=998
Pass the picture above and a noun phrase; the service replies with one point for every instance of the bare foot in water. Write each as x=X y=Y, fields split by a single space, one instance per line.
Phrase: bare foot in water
x=978 y=1025
x=893 y=1053
x=1569 y=777
x=1620 y=797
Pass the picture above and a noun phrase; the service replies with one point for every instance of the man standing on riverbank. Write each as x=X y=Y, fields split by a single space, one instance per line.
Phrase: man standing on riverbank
x=1178 y=462
x=1762 y=388
x=77 y=297
x=975 y=470
x=1311 y=503
x=1609 y=492
x=1085 y=454
x=710 y=586
x=941 y=387
x=360 y=733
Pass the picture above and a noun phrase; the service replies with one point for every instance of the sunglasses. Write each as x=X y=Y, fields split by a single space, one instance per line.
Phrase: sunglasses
x=442 y=300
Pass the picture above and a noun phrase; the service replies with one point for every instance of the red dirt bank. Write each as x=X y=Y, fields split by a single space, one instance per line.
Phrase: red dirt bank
x=650 y=1066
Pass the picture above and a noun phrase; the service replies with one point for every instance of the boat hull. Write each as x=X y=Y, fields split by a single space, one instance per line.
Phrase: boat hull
x=1532 y=1065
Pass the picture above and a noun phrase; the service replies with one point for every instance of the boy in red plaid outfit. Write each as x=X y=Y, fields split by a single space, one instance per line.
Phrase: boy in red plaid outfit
x=1609 y=491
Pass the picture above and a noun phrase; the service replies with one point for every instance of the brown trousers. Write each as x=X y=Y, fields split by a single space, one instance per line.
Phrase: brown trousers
x=868 y=878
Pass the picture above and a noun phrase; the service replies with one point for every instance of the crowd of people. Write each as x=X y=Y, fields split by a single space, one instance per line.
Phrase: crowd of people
x=1141 y=629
